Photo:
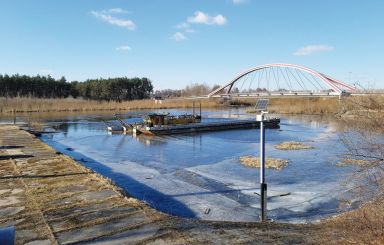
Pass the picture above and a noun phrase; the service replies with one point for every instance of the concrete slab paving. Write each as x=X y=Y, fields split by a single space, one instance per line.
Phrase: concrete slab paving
x=96 y=231
x=9 y=211
x=142 y=233
x=92 y=217
x=39 y=242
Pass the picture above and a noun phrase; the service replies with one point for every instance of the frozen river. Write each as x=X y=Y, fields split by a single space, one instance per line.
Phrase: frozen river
x=200 y=176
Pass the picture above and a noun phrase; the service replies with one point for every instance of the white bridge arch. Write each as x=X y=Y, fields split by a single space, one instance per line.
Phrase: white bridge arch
x=290 y=80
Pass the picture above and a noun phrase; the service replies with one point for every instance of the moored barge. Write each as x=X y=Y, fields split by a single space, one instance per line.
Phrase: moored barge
x=271 y=123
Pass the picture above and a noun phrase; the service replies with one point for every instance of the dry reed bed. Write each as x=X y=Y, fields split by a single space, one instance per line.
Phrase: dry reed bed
x=292 y=145
x=369 y=105
x=362 y=226
x=277 y=105
x=12 y=105
x=254 y=162
x=299 y=105
x=288 y=105
x=357 y=162
x=366 y=224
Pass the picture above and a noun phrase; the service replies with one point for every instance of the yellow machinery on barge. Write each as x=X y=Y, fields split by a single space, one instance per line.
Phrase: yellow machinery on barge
x=166 y=119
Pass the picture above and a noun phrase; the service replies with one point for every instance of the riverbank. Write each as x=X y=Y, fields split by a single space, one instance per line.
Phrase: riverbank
x=26 y=105
x=297 y=105
x=51 y=199
x=281 y=105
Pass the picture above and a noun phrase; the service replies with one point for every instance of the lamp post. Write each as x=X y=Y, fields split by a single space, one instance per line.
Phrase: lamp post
x=262 y=105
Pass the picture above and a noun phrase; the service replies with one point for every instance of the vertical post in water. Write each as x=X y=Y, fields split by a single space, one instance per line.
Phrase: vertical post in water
x=193 y=103
x=261 y=105
x=263 y=185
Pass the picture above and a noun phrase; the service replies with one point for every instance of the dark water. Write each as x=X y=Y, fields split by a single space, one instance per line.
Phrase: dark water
x=200 y=175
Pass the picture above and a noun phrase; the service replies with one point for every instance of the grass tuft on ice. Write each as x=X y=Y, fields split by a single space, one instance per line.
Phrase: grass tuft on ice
x=292 y=145
x=355 y=162
x=254 y=162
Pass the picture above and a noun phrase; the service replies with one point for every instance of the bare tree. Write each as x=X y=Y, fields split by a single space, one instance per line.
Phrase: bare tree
x=196 y=89
x=363 y=137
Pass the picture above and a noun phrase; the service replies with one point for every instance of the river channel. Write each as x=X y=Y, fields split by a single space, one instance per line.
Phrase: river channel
x=200 y=175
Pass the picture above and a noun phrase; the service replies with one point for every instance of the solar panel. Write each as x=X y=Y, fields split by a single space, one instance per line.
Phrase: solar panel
x=261 y=104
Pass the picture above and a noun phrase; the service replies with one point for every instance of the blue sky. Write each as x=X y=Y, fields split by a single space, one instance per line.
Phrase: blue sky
x=176 y=42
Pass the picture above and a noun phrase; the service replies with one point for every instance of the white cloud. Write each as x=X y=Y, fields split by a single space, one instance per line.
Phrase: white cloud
x=178 y=37
x=125 y=23
x=182 y=25
x=203 y=18
x=312 y=49
x=123 y=48
x=116 y=11
x=198 y=18
x=239 y=1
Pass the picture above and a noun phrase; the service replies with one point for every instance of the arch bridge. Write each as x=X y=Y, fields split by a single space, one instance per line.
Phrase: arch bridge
x=282 y=80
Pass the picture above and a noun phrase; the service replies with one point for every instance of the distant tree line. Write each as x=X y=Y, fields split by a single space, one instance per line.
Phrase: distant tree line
x=37 y=86
x=168 y=93
x=117 y=89
x=193 y=89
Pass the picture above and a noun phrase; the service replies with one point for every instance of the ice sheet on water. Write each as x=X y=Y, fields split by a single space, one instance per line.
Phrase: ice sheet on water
x=200 y=175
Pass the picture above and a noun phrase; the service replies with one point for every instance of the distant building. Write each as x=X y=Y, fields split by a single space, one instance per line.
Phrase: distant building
x=158 y=99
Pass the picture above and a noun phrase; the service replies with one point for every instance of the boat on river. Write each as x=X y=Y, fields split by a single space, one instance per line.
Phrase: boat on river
x=166 y=124
x=162 y=129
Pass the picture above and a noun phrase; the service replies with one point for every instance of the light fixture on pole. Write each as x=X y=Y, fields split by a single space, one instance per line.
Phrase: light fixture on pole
x=261 y=107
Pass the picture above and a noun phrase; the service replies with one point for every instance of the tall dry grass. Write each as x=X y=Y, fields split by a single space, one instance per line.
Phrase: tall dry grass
x=327 y=105
x=298 y=105
x=281 y=105
x=363 y=138
x=13 y=105
x=361 y=226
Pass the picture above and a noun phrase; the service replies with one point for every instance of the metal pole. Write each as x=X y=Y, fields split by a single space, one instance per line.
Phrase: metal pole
x=263 y=185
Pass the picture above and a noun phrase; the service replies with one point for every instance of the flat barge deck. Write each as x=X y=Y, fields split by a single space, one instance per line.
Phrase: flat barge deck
x=202 y=127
